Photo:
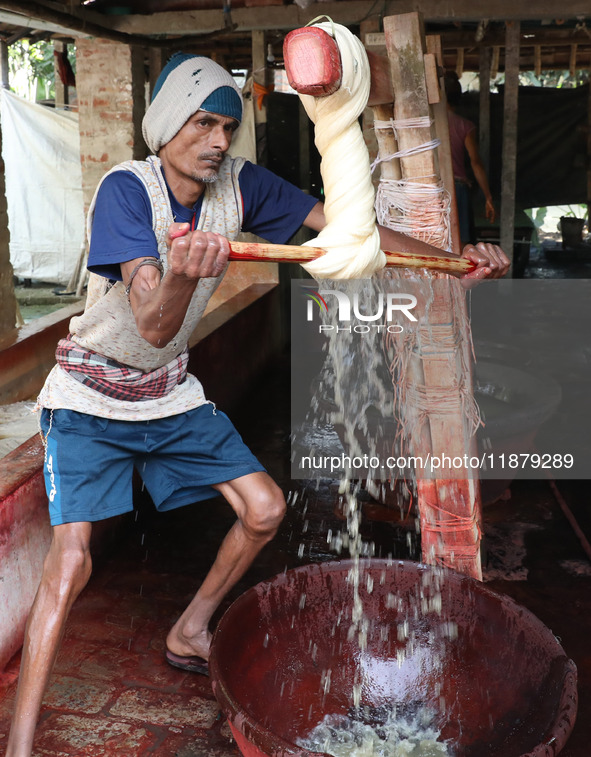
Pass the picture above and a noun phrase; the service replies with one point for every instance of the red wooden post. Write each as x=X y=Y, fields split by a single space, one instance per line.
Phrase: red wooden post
x=449 y=506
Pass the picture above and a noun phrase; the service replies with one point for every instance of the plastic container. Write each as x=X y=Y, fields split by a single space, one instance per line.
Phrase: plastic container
x=497 y=680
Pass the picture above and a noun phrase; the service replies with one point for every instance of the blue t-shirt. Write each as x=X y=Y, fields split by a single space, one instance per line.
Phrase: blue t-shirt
x=122 y=227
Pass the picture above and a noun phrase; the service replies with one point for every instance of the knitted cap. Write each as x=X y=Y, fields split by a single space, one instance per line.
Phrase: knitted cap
x=188 y=83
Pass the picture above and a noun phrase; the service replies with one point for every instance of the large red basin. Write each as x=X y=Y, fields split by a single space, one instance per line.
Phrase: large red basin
x=496 y=678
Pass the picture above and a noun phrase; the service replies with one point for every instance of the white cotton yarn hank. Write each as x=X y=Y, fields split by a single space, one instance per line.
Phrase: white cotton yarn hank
x=413 y=207
x=416 y=209
x=350 y=236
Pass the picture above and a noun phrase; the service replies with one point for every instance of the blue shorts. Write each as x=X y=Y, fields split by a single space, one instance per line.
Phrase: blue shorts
x=90 y=461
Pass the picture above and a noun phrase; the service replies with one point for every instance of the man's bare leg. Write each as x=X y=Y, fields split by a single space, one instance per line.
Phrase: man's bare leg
x=65 y=573
x=260 y=507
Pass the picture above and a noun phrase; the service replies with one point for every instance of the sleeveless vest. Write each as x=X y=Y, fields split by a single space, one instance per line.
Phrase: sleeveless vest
x=107 y=325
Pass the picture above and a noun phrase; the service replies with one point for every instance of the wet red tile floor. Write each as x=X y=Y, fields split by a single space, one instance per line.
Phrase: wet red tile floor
x=113 y=693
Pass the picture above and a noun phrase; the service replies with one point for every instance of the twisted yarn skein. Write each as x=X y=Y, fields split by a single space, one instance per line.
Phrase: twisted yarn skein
x=350 y=236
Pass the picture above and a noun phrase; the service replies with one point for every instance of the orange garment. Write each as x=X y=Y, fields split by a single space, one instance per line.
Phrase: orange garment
x=260 y=92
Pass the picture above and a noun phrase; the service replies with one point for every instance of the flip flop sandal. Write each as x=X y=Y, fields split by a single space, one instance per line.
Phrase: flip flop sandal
x=192 y=664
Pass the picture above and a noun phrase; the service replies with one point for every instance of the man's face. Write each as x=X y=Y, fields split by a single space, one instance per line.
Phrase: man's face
x=198 y=149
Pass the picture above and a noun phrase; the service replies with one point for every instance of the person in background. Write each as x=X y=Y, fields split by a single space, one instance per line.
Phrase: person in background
x=462 y=136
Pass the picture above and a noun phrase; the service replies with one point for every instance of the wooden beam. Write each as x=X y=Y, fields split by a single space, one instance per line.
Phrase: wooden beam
x=550 y=48
x=79 y=20
x=550 y=60
x=27 y=21
x=509 y=155
x=530 y=35
x=35 y=15
x=343 y=12
x=198 y=27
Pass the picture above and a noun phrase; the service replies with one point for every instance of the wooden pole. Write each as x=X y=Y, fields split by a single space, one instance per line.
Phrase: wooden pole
x=572 y=61
x=410 y=92
x=494 y=66
x=157 y=61
x=484 y=107
x=4 y=70
x=387 y=144
x=286 y=253
x=509 y=158
x=449 y=507
x=460 y=62
x=537 y=60
x=61 y=89
x=444 y=150
x=9 y=309
x=261 y=80
x=589 y=159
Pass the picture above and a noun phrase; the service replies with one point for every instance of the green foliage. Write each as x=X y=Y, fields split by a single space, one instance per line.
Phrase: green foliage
x=32 y=72
x=557 y=79
x=573 y=211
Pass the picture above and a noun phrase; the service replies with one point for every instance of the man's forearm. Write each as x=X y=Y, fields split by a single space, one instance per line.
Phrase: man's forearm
x=160 y=311
x=160 y=306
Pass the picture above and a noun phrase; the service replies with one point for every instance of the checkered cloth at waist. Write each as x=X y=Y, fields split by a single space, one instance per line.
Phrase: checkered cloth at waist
x=116 y=380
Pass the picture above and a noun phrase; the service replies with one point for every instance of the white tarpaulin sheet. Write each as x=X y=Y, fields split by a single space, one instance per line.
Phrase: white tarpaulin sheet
x=41 y=151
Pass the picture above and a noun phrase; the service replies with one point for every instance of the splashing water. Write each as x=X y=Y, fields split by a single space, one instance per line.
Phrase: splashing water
x=395 y=737
x=360 y=379
x=355 y=393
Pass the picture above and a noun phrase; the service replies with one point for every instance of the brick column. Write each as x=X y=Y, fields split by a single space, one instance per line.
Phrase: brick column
x=110 y=81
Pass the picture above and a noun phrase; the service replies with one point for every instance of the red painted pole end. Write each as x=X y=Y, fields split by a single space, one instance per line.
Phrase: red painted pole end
x=312 y=61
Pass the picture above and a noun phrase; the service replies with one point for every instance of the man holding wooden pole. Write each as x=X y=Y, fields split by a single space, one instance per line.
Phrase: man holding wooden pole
x=120 y=395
